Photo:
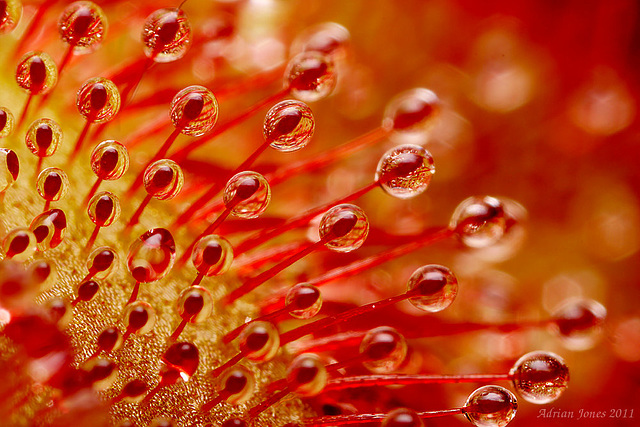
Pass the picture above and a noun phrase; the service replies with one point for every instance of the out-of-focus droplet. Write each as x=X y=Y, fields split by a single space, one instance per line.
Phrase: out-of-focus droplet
x=260 y=341
x=311 y=76
x=385 y=349
x=479 y=221
x=411 y=115
x=307 y=375
x=10 y=15
x=579 y=323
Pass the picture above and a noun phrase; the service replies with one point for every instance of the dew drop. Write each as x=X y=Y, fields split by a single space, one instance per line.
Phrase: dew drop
x=152 y=255
x=385 y=349
x=166 y=35
x=248 y=193
x=83 y=25
x=347 y=224
x=307 y=375
x=310 y=76
x=110 y=160
x=43 y=138
x=52 y=184
x=303 y=301
x=490 y=406
x=103 y=209
x=163 y=179
x=212 y=255
x=434 y=286
x=288 y=126
x=36 y=73
x=260 y=341
x=194 y=110
x=49 y=228
x=405 y=171
x=98 y=100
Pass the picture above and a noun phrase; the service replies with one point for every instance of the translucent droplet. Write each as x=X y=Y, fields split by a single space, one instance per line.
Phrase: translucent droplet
x=307 y=375
x=327 y=38
x=579 y=323
x=166 y=35
x=236 y=384
x=288 y=126
x=405 y=171
x=195 y=304
x=52 y=184
x=102 y=261
x=479 y=221
x=7 y=122
x=385 y=349
x=163 y=179
x=310 y=76
x=103 y=209
x=19 y=244
x=434 y=286
x=87 y=290
x=260 y=341
x=42 y=273
x=212 y=255
x=411 y=115
x=109 y=339
x=184 y=357
x=347 y=225
x=303 y=301
x=36 y=73
x=540 y=377
x=98 y=100
x=83 y=25
x=194 y=110
x=151 y=255
x=10 y=15
x=9 y=168
x=248 y=193
x=490 y=406
x=110 y=160
x=49 y=228
x=402 y=417
x=43 y=138
x=140 y=317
